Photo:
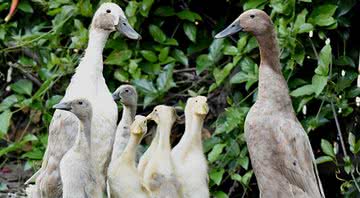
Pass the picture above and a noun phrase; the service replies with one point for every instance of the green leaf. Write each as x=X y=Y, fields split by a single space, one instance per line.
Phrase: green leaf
x=189 y=15
x=4 y=122
x=327 y=148
x=118 y=57
x=149 y=55
x=254 y=4
x=215 y=152
x=165 y=11
x=322 y=15
x=231 y=50
x=220 y=75
x=145 y=86
x=323 y=159
x=181 y=57
x=145 y=7
x=202 y=62
x=216 y=175
x=306 y=27
x=319 y=83
x=85 y=8
x=324 y=61
x=190 y=31
x=121 y=75
x=9 y=101
x=165 y=79
x=131 y=8
x=348 y=165
x=302 y=91
x=25 y=7
x=22 y=86
x=300 y=19
x=220 y=194
x=215 y=50
x=351 y=141
x=245 y=180
x=164 y=53
x=157 y=34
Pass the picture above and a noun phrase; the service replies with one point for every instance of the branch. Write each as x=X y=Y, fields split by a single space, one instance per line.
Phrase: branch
x=26 y=74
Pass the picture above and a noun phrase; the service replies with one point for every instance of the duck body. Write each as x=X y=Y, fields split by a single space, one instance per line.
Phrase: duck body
x=159 y=175
x=188 y=156
x=77 y=174
x=279 y=148
x=63 y=127
x=87 y=82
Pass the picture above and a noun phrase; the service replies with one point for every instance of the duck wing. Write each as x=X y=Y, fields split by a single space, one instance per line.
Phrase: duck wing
x=296 y=161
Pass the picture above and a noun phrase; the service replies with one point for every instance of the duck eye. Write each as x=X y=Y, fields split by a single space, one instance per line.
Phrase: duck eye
x=80 y=103
x=252 y=16
x=108 y=11
x=124 y=24
x=196 y=101
x=126 y=90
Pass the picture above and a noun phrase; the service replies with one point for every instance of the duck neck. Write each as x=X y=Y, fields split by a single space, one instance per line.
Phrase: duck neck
x=196 y=129
x=272 y=85
x=93 y=53
x=83 y=140
x=128 y=114
x=164 y=130
x=129 y=153
x=187 y=136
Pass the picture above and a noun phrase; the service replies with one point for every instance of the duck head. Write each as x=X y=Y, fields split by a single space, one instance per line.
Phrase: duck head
x=198 y=105
x=139 y=126
x=80 y=107
x=254 y=21
x=110 y=17
x=163 y=113
x=126 y=94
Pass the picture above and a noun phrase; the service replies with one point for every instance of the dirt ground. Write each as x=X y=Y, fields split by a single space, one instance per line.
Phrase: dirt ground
x=12 y=178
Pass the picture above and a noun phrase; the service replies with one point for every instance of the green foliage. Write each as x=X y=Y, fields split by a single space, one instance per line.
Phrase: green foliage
x=178 y=58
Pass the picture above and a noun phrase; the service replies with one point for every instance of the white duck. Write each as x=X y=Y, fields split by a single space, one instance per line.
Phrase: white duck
x=124 y=180
x=159 y=175
x=279 y=147
x=188 y=155
x=87 y=82
x=77 y=174
x=128 y=97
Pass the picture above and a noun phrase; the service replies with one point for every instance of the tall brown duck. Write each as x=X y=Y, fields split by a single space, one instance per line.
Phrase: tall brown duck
x=279 y=148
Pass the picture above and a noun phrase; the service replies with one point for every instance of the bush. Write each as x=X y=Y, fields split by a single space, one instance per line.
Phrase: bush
x=177 y=58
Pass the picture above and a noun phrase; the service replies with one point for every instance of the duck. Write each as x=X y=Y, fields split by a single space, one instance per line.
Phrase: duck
x=159 y=176
x=145 y=158
x=128 y=97
x=124 y=180
x=279 y=148
x=188 y=156
x=77 y=174
x=87 y=82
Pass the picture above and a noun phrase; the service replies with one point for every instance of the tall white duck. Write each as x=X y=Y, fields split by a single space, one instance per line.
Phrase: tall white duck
x=188 y=155
x=87 y=82
x=279 y=147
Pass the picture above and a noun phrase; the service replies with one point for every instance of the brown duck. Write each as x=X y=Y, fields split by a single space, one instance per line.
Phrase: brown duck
x=279 y=148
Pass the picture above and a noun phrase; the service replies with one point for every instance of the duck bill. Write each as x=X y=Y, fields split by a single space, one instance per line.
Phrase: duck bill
x=116 y=97
x=63 y=106
x=233 y=28
x=125 y=28
x=203 y=109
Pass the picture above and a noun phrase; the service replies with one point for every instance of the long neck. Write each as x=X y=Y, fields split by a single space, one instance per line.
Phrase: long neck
x=128 y=113
x=164 y=130
x=94 y=50
x=196 y=129
x=129 y=153
x=83 y=140
x=185 y=138
x=272 y=85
